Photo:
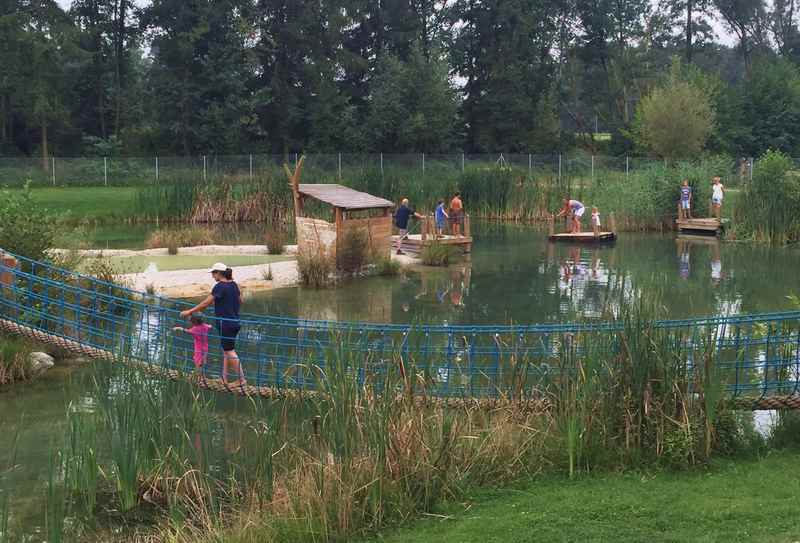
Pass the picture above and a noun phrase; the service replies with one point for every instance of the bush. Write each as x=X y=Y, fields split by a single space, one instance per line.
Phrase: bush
x=437 y=254
x=173 y=238
x=353 y=250
x=387 y=267
x=275 y=239
x=316 y=267
x=26 y=228
x=768 y=208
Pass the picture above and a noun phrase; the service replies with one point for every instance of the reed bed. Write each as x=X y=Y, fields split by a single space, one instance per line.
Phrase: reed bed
x=14 y=364
x=767 y=211
x=187 y=465
x=644 y=199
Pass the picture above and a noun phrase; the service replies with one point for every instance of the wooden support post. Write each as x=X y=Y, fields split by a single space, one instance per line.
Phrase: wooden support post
x=7 y=277
x=467 y=229
x=424 y=233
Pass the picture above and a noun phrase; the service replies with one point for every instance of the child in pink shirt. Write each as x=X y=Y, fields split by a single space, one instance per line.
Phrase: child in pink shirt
x=199 y=331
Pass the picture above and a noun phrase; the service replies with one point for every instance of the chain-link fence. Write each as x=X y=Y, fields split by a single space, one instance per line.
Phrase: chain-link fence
x=136 y=171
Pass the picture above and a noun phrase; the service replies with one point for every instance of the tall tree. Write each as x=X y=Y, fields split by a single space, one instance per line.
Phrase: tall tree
x=748 y=22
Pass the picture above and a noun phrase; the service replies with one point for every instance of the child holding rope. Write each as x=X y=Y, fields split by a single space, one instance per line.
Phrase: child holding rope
x=199 y=331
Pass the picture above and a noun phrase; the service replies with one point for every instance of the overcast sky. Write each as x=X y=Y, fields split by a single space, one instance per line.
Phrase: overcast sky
x=722 y=34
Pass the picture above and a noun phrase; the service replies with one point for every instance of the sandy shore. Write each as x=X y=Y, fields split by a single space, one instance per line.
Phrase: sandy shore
x=199 y=250
x=197 y=283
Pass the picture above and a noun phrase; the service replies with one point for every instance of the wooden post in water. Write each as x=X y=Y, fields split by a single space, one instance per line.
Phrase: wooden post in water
x=467 y=230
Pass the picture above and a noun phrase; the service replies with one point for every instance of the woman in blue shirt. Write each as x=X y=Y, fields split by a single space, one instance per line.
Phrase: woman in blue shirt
x=227 y=299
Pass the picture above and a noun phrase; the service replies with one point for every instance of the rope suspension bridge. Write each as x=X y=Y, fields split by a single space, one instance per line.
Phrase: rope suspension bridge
x=756 y=358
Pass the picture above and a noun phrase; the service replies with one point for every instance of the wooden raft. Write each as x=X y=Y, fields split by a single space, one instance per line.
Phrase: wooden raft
x=585 y=236
x=705 y=226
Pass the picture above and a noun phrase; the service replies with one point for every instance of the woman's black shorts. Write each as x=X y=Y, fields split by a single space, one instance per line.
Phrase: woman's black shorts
x=227 y=335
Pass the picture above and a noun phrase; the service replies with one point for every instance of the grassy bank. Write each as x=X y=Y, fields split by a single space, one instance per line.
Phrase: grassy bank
x=88 y=203
x=731 y=500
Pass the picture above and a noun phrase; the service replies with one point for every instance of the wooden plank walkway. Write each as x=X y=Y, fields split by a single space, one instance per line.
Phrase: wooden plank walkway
x=584 y=237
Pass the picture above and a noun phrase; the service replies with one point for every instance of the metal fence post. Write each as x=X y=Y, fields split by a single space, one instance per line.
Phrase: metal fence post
x=381 y=165
x=205 y=173
x=53 y=169
x=592 y=170
x=423 y=164
x=251 y=166
x=295 y=160
x=750 y=161
x=156 y=169
x=462 y=163
x=340 y=166
x=105 y=171
x=530 y=166
x=627 y=166
x=559 y=166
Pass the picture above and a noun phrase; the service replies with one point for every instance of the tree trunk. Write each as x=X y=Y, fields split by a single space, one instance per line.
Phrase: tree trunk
x=45 y=151
x=119 y=54
x=689 y=31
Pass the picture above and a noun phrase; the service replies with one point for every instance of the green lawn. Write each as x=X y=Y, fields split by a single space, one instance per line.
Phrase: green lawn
x=135 y=264
x=744 y=500
x=88 y=202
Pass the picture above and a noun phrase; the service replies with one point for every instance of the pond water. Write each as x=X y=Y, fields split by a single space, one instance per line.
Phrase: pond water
x=516 y=275
x=513 y=275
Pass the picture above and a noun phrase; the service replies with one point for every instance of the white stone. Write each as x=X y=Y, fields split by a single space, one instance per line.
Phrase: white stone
x=41 y=362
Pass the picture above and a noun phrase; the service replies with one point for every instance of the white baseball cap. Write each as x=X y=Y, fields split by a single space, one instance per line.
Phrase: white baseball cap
x=218 y=267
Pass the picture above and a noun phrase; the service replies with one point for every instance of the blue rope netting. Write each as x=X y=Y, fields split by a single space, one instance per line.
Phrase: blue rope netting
x=756 y=355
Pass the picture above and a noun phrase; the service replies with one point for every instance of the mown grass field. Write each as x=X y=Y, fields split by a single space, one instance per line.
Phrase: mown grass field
x=742 y=500
x=136 y=264
x=91 y=203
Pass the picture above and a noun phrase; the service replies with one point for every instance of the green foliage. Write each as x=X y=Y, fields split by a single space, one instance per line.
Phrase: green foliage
x=387 y=267
x=14 y=364
x=276 y=240
x=675 y=119
x=352 y=252
x=27 y=229
x=768 y=208
x=438 y=254
x=316 y=268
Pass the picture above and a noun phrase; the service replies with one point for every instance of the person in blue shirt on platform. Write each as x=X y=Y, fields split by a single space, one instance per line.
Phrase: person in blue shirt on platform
x=401 y=217
x=441 y=218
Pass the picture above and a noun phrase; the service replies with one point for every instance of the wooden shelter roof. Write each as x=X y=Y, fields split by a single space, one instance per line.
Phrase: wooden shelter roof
x=344 y=197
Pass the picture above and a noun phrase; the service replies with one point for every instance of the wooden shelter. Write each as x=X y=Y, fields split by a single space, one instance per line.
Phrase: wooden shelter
x=352 y=211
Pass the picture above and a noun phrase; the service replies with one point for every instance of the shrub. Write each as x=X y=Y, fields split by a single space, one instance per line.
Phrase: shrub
x=173 y=238
x=27 y=229
x=387 y=267
x=353 y=250
x=768 y=208
x=14 y=364
x=437 y=254
x=316 y=267
x=276 y=240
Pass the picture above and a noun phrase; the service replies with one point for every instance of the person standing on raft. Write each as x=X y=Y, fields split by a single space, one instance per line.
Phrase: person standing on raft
x=227 y=299
x=576 y=209
x=717 y=194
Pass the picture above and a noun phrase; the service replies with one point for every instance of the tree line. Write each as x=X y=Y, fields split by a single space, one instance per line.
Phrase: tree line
x=109 y=77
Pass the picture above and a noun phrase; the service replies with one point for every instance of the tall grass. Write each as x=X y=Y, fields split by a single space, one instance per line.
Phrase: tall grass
x=317 y=267
x=644 y=198
x=14 y=363
x=768 y=209
x=369 y=450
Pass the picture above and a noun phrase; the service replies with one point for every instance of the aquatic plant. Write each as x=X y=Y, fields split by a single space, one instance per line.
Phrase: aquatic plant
x=14 y=363
x=387 y=267
x=316 y=267
x=174 y=238
x=437 y=254
x=275 y=239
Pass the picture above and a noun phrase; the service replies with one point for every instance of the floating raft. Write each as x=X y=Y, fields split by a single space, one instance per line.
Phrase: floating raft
x=705 y=226
x=584 y=237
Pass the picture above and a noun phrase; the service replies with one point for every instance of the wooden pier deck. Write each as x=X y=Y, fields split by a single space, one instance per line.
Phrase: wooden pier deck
x=708 y=226
x=584 y=237
x=414 y=243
